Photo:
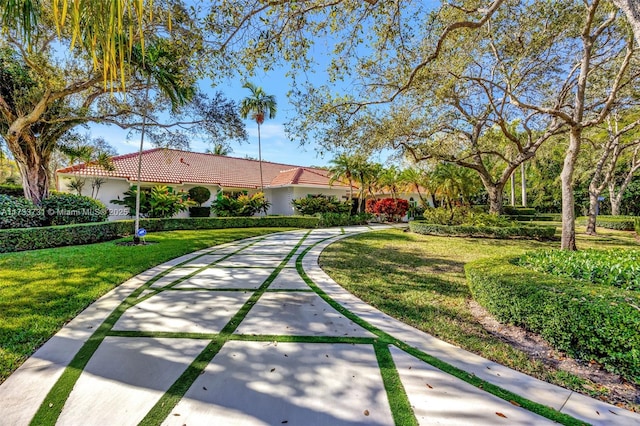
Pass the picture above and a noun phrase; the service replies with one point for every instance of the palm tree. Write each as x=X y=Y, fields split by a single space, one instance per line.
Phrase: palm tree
x=220 y=149
x=414 y=180
x=342 y=168
x=259 y=106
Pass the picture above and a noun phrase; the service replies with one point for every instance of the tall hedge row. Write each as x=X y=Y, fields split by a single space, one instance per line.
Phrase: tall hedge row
x=590 y=322
x=55 y=236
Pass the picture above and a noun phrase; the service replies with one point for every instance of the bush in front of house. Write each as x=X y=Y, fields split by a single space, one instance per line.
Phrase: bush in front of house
x=320 y=204
x=240 y=206
x=67 y=235
x=200 y=195
x=588 y=321
x=158 y=202
x=68 y=209
x=390 y=209
x=199 y=211
x=18 y=212
x=344 y=219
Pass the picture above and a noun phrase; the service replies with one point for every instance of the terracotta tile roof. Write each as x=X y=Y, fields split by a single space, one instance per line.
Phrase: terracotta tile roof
x=176 y=166
x=305 y=176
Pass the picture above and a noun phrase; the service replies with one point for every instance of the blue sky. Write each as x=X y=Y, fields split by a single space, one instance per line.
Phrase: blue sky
x=276 y=146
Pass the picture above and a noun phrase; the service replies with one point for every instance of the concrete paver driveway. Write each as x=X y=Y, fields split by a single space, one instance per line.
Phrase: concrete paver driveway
x=254 y=333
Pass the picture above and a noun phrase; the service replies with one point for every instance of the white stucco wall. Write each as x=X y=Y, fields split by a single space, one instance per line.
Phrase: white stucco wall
x=110 y=190
x=280 y=199
x=115 y=188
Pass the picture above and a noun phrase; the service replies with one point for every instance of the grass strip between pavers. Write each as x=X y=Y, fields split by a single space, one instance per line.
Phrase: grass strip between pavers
x=384 y=337
x=398 y=400
x=176 y=391
x=51 y=408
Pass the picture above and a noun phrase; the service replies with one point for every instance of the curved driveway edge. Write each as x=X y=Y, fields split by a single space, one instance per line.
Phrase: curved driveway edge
x=254 y=332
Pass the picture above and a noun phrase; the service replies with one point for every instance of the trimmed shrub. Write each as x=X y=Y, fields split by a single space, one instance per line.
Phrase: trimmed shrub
x=66 y=235
x=18 y=212
x=12 y=190
x=199 y=211
x=588 y=321
x=617 y=268
x=344 y=219
x=518 y=211
x=499 y=232
x=199 y=194
x=55 y=236
x=316 y=204
x=619 y=223
x=67 y=209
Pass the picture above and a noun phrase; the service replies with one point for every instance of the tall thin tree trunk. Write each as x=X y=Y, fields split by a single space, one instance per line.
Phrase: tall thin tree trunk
x=513 y=188
x=615 y=200
x=523 y=189
x=260 y=160
x=593 y=212
x=568 y=239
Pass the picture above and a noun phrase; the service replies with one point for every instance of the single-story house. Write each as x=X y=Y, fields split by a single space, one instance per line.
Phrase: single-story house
x=182 y=170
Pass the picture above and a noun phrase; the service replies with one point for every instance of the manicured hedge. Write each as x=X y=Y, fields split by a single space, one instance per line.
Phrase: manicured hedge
x=19 y=239
x=12 y=190
x=619 y=223
x=536 y=218
x=344 y=219
x=66 y=235
x=519 y=211
x=590 y=322
x=500 y=232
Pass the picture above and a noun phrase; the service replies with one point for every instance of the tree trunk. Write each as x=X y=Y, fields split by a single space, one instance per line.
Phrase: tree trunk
x=523 y=189
x=593 y=210
x=568 y=241
x=615 y=200
x=631 y=9
x=495 y=198
x=35 y=178
x=513 y=188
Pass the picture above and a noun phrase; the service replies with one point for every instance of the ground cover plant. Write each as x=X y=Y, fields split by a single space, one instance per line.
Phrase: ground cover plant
x=41 y=290
x=420 y=280
x=607 y=267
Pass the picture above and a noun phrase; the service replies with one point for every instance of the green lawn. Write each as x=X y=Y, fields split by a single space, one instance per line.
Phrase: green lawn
x=420 y=280
x=41 y=290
